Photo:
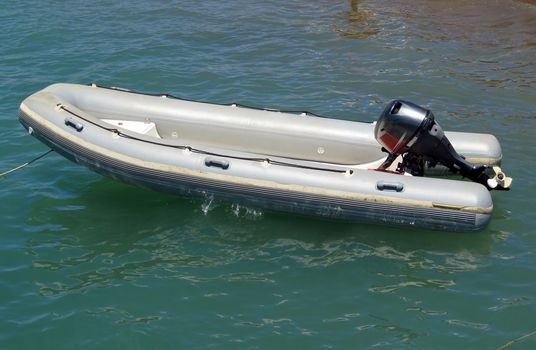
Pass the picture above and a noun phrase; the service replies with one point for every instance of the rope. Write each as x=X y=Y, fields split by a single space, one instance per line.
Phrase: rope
x=517 y=340
x=25 y=164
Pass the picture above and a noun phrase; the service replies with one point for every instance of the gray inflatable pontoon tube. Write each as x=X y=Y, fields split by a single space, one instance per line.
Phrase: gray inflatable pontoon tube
x=280 y=161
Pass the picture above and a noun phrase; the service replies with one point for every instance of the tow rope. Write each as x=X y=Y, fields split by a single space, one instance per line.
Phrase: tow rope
x=25 y=164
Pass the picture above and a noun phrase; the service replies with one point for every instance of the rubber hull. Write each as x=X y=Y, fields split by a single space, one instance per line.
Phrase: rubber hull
x=342 y=192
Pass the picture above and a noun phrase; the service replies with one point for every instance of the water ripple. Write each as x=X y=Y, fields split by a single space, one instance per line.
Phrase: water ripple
x=91 y=262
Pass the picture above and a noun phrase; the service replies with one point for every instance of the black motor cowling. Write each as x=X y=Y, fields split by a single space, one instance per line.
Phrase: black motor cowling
x=407 y=129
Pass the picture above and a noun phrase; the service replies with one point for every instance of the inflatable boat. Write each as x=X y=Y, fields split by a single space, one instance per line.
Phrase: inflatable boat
x=403 y=169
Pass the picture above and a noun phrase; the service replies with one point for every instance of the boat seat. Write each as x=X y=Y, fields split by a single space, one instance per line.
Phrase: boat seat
x=141 y=127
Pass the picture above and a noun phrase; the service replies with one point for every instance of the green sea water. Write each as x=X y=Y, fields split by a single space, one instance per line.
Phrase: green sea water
x=90 y=263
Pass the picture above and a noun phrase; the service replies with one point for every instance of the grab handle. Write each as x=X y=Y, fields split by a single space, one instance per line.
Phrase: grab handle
x=390 y=186
x=218 y=163
x=74 y=124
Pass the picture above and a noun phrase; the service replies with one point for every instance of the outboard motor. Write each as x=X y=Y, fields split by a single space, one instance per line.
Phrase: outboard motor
x=407 y=129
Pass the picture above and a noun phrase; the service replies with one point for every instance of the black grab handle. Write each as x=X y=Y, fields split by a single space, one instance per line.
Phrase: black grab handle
x=74 y=124
x=390 y=186
x=218 y=163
